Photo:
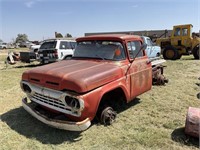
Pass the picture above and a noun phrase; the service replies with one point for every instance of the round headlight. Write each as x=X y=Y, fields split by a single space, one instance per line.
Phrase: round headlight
x=72 y=102
x=26 y=88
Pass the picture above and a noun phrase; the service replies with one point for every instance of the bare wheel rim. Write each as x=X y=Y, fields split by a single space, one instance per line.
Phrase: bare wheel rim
x=108 y=116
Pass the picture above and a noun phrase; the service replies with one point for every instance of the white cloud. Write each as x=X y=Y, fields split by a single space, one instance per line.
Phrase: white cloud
x=29 y=4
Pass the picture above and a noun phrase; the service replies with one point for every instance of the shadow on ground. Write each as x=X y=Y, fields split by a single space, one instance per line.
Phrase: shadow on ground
x=23 y=123
x=178 y=135
x=28 y=66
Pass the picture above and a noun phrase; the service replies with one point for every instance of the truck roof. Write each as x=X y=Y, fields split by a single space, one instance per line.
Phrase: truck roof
x=117 y=37
x=183 y=25
x=64 y=39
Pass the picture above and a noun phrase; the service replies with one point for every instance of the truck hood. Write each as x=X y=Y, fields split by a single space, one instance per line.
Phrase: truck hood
x=75 y=75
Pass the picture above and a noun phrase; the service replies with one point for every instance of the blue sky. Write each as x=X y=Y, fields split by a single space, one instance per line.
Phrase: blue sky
x=39 y=19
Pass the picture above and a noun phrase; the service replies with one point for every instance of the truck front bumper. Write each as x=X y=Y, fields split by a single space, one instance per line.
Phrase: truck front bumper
x=60 y=124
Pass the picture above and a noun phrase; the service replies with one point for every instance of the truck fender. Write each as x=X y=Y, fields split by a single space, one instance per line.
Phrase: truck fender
x=110 y=89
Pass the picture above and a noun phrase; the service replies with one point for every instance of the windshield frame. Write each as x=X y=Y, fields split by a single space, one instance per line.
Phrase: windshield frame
x=102 y=55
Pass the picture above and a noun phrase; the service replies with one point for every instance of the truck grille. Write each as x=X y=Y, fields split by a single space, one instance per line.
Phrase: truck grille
x=53 y=99
x=50 y=102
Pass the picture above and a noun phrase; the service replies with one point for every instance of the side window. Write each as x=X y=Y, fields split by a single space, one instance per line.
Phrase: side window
x=73 y=45
x=149 y=43
x=177 y=32
x=134 y=49
x=184 y=31
x=65 y=45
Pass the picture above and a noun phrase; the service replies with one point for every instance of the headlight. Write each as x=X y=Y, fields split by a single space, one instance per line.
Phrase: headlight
x=26 y=88
x=72 y=102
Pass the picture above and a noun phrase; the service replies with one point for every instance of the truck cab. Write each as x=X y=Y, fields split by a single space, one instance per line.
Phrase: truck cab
x=182 y=35
x=152 y=50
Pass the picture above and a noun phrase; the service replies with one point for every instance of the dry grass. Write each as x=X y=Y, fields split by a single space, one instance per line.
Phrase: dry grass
x=153 y=121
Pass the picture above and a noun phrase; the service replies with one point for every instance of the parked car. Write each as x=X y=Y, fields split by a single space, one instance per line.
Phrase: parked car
x=56 y=49
x=3 y=46
x=26 y=44
x=34 y=48
x=152 y=50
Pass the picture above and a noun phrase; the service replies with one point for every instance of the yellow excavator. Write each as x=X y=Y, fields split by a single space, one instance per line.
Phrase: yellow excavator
x=181 y=42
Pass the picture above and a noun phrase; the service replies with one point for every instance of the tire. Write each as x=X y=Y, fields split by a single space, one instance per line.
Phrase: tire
x=35 y=50
x=196 y=52
x=67 y=57
x=108 y=116
x=158 y=55
x=170 y=53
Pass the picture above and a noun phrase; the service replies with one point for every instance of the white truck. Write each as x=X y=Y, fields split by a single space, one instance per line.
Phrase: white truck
x=53 y=50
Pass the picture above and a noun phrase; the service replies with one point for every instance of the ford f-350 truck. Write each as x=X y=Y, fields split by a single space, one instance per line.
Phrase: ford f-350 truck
x=105 y=70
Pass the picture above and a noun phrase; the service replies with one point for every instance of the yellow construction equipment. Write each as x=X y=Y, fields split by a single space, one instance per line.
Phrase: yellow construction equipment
x=181 y=42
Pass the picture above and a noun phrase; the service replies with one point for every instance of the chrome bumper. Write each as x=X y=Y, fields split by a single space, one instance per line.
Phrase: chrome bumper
x=60 y=124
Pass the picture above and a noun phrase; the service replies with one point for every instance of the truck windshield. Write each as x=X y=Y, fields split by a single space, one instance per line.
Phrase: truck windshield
x=105 y=50
x=48 y=45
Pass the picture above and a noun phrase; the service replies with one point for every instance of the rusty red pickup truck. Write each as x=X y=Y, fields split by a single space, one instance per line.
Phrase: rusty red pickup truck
x=105 y=70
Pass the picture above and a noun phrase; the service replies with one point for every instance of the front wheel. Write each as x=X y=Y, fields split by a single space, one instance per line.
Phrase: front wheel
x=170 y=53
x=108 y=116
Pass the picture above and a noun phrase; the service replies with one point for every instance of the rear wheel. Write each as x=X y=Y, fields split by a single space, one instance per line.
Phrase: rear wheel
x=67 y=57
x=196 y=52
x=170 y=53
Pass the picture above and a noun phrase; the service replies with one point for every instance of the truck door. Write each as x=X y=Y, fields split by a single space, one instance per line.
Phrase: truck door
x=186 y=36
x=140 y=71
x=62 y=51
x=177 y=36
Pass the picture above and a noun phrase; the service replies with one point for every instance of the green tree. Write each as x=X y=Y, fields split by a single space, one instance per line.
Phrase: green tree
x=68 y=35
x=21 y=38
x=1 y=40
